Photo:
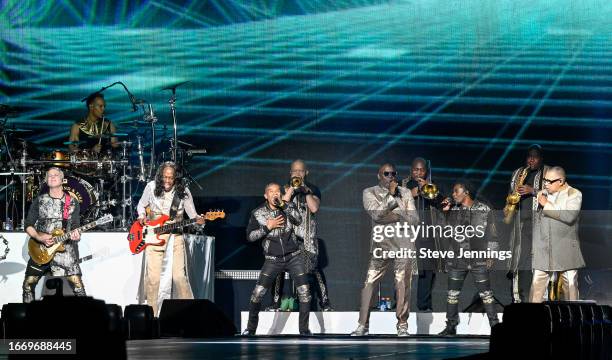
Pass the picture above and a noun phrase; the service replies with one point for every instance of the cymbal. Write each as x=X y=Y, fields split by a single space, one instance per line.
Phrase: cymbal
x=14 y=131
x=184 y=143
x=73 y=142
x=14 y=173
x=132 y=122
x=175 y=85
x=106 y=136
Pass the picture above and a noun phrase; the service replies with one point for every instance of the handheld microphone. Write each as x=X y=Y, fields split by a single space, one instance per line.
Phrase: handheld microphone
x=279 y=204
x=545 y=193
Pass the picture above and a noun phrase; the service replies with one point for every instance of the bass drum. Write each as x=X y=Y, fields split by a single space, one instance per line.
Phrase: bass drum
x=80 y=189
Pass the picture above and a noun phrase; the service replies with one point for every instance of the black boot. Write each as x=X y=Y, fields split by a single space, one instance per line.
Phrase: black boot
x=253 y=319
x=451 y=329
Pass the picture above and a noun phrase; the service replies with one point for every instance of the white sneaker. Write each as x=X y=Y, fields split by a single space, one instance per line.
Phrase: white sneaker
x=402 y=330
x=360 y=331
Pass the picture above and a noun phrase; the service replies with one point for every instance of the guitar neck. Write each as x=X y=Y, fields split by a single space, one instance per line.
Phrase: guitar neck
x=81 y=229
x=169 y=227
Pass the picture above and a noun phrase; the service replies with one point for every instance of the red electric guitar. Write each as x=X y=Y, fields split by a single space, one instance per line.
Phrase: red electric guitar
x=141 y=236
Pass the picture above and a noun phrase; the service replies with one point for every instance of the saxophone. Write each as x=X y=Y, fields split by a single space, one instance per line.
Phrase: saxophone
x=514 y=198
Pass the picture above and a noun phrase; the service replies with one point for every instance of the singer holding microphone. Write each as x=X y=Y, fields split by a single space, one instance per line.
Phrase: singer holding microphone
x=274 y=222
x=94 y=131
x=388 y=204
x=556 y=247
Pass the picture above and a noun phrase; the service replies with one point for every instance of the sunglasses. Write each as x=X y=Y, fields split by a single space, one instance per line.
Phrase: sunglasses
x=547 y=181
x=390 y=173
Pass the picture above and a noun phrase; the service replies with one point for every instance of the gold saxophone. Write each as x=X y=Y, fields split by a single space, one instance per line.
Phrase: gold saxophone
x=514 y=198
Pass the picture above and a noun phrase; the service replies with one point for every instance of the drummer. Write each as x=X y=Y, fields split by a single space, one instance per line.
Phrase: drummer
x=94 y=131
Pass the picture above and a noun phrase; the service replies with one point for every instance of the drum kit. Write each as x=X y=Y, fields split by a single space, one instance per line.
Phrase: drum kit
x=102 y=182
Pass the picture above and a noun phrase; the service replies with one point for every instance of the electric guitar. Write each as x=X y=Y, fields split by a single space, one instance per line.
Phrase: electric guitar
x=141 y=236
x=43 y=254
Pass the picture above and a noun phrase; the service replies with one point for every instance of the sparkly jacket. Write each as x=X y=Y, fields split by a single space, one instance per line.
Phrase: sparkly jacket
x=45 y=215
x=478 y=215
x=280 y=241
x=306 y=231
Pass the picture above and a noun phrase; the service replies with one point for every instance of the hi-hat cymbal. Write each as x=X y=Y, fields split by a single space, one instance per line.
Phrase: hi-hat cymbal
x=175 y=85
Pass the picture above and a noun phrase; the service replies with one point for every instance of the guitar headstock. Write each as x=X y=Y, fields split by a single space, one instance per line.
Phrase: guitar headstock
x=213 y=215
x=104 y=219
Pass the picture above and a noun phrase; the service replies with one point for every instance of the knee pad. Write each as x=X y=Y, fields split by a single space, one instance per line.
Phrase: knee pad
x=77 y=285
x=453 y=296
x=28 y=288
x=487 y=297
x=258 y=294
x=29 y=281
x=304 y=293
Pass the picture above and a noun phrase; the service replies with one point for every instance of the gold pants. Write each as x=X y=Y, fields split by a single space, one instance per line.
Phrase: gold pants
x=402 y=281
x=568 y=281
x=180 y=284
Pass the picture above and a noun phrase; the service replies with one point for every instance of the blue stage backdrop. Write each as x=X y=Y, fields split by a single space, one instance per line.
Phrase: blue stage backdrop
x=344 y=85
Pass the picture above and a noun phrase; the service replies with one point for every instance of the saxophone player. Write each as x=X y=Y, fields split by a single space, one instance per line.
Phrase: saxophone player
x=526 y=182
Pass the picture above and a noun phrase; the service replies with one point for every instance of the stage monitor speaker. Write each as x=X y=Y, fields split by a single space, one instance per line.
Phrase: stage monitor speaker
x=84 y=319
x=194 y=319
x=140 y=324
x=556 y=330
x=14 y=321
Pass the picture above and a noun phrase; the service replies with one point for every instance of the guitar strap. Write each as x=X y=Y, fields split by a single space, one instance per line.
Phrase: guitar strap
x=66 y=215
x=175 y=205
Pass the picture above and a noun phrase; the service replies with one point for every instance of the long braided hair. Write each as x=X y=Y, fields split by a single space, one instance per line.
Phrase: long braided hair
x=179 y=185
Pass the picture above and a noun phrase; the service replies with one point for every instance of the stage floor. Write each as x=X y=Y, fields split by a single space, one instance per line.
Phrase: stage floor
x=314 y=347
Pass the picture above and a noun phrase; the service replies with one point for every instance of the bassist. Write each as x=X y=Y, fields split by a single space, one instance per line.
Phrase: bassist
x=166 y=195
x=55 y=209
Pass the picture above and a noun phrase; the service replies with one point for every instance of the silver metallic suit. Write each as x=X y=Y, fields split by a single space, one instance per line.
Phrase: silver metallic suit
x=386 y=209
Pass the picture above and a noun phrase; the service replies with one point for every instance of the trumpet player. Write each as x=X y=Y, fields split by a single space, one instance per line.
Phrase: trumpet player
x=428 y=203
x=307 y=198
x=526 y=181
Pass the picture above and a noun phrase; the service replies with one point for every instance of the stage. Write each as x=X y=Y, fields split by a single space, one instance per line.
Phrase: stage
x=314 y=347
x=110 y=271
x=381 y=323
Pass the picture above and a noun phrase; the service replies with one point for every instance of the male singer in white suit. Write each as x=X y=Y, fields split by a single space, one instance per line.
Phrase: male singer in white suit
x=556 y=247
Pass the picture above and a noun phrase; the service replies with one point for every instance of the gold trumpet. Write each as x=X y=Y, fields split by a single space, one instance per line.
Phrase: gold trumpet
x=429 y=190
x=296 y=182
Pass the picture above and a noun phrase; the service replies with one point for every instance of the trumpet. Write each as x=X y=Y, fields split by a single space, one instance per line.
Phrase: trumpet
x=296 y=182
x=429 y=190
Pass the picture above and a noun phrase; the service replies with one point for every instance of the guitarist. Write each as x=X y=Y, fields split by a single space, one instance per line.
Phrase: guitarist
x=166 y=195
x=52 y=210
